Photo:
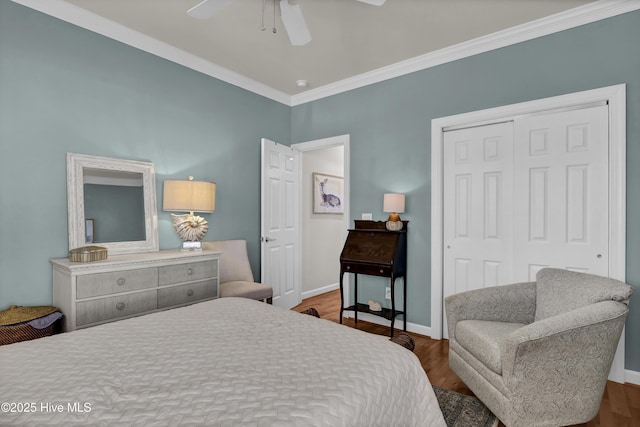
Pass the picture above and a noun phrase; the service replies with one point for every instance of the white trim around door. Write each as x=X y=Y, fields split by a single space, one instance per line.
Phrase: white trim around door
x=615 y=96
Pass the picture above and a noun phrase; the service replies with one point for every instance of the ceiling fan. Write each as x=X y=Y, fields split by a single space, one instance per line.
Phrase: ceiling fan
x=291 y=14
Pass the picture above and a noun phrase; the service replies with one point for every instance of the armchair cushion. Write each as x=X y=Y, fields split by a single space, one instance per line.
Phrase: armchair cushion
x=559 y=291
x=252 y=290
x=484 y=339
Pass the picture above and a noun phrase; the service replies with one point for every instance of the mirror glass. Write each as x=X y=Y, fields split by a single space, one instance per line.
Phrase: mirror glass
x=112 y=203
x=113 y=206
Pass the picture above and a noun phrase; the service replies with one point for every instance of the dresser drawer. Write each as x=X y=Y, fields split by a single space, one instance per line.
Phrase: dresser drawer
x=93 y=285
x=184 y=294
x=114 y=307
x=192 y=271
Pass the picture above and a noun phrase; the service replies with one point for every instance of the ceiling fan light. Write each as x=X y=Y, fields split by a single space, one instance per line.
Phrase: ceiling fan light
x=294 y=23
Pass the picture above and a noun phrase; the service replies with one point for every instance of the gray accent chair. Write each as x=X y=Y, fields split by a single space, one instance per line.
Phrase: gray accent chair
x=236 y=277
x=538 y=353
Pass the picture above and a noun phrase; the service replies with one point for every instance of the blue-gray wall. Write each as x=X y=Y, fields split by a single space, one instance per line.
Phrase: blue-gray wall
x=64 y=89
x=390 y=127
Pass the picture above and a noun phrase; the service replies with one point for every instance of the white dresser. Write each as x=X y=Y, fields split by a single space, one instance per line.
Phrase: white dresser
x=130 y=285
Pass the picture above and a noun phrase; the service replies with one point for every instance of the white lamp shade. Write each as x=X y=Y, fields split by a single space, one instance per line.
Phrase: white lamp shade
x=189 y=196
x=393 y=202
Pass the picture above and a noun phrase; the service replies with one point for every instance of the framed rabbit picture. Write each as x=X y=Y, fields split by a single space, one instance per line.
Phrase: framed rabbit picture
x=328 y=194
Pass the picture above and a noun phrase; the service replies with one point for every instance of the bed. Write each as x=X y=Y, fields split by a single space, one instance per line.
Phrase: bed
x=226 y=362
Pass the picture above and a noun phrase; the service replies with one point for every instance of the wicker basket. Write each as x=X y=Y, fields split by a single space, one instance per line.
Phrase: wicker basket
x=15 y=327
x=25 y=332
x=88 y=254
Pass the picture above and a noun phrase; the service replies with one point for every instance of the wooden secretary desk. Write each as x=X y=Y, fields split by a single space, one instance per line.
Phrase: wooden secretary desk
x=373 y=250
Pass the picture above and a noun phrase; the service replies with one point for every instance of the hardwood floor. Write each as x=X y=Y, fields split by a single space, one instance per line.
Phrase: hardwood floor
x=620 y=404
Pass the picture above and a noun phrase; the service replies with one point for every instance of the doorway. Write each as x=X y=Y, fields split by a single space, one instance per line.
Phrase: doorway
x=322 y=235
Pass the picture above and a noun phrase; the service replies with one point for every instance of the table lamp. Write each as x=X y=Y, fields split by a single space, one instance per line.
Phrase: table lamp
x=394 y=203
x=189 y=196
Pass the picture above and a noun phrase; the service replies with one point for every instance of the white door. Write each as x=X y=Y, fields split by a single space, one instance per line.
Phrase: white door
x=280 y=254
x=478 y=226
x=562 y=182
x=508 y=212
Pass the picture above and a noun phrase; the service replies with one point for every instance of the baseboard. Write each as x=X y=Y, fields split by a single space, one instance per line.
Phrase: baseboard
x=632 y=377
x=322 y=290
x=411 y=327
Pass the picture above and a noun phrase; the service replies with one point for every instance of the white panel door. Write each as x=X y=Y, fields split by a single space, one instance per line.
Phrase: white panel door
x=562 y=192
x=550 y=193
x=279 y=222
x=478 y=205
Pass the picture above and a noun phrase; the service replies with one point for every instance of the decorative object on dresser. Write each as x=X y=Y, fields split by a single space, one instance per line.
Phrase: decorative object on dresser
x=189 y=196
x=538 y=353
x=88 y=254
x=133 y=284
x=119 y=196
x=372 y=249
x=393 y=204
x=236 y=277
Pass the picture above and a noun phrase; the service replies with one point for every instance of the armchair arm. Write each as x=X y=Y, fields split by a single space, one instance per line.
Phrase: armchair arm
x=514 y=303
x=564 y=357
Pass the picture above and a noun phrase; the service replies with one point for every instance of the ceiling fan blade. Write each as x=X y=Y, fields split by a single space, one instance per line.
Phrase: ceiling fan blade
x=373 y=2
x=294 y=23
x=208 y=8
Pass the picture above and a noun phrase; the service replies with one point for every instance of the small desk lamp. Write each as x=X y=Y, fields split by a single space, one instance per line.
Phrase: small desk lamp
x=189 y=196
x=394 y=203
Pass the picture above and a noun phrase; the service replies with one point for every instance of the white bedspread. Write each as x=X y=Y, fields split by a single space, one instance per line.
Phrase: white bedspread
x=225 y=362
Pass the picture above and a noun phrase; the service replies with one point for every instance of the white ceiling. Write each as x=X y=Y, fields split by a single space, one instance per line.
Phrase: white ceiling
x=350 y=38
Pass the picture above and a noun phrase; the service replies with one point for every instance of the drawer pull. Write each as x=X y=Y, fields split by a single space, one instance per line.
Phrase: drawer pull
x=348 y=267
x=120 y=306
x=189 y=271
x=190 y=293
x=121 y=281
x=381 y=271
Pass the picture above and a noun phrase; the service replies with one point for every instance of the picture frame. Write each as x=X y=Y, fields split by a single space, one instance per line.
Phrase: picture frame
x=328 y=194
x=88 y=230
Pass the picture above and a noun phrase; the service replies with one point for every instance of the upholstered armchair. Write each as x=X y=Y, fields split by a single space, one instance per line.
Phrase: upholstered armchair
x=538 y=353
x=236 y=277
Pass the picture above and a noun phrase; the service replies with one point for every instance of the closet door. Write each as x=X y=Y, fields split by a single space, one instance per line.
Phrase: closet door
x=478 y=208
x=561 y=197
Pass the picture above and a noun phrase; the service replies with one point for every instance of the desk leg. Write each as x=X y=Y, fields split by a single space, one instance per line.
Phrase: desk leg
x=393 y=303
x=404 y=295
x=341 y=296
x=355 y=303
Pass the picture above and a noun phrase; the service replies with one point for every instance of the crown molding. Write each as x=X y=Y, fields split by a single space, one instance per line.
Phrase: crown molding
x=541 y=27
x=572 y=18
x=83 y=18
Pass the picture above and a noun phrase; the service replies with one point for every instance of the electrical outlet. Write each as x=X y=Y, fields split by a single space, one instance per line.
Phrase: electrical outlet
x=387 y=292
x=367 y=216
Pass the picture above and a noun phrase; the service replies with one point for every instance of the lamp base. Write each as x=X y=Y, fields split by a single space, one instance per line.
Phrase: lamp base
x=191 y=246
x=394 y=225
x=191 y=230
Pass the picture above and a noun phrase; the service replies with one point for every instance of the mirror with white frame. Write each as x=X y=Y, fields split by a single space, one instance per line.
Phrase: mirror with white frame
x=111 y=203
